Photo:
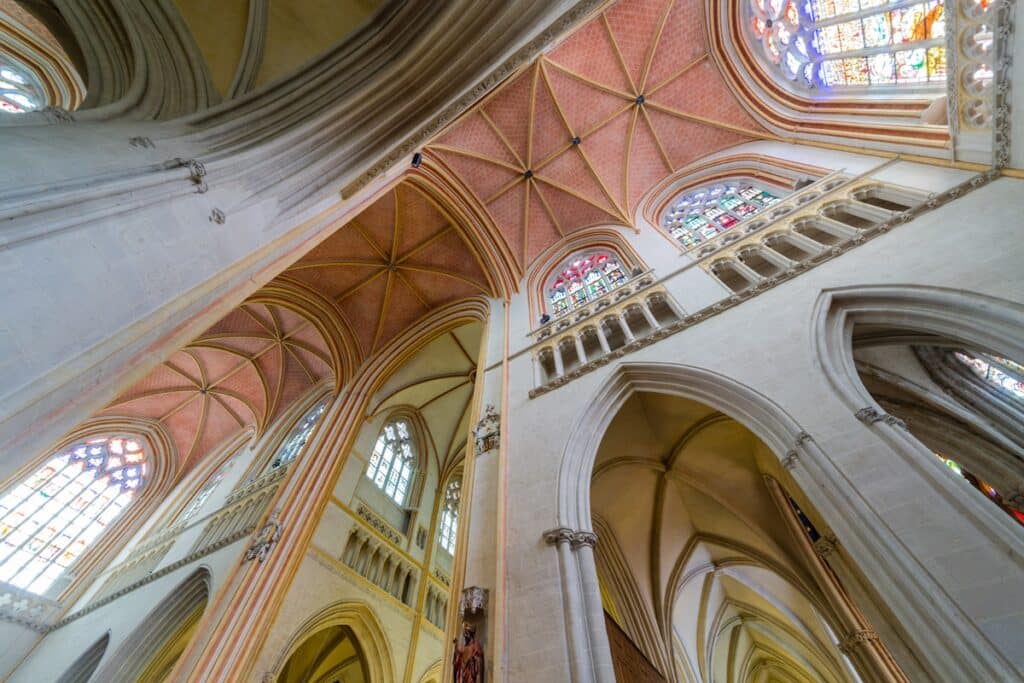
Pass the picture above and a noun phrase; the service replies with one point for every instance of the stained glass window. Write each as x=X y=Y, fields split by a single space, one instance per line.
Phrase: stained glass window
x=699 y=215
x=20 y=90
x=49 y=520
x=450 y=515
x=983 y=486
x=299 y=436
x=843 y=43
x=582 y=279
x=391 y=464
x=1001 y=373
x=201 y=496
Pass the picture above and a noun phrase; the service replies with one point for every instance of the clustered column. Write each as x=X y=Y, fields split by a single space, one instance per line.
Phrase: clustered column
x=590 y=654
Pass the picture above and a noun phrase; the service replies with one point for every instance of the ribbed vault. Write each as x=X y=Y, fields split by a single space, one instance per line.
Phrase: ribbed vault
x=240 y=374
x=582 y=134
x=401 y=258
x=695 y=555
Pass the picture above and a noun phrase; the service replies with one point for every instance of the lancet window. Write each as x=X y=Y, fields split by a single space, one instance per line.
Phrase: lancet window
x=990 y=492
x=20 y=91
x=392 y=462
x=583 y=278
x=50 y=519
x=852 y=43
x=1002 y=373
x=698 y=215
x=299 y=436
x=450 y=515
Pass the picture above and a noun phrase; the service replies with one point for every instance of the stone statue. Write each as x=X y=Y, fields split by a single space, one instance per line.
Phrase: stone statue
x=468 y=661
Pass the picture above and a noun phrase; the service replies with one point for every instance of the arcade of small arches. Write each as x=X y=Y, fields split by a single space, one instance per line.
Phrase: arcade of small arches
x=689 y=349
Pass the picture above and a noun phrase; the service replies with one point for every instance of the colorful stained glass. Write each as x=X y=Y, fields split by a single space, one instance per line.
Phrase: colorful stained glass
x=582 y=279
x=854 y=43
x=391 y=464
x=702 y=214
x=987 y=489
x=48 y=520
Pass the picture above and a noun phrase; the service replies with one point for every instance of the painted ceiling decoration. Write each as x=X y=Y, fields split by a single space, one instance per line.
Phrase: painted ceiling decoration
x=242 y=373
x=579 y=137
x=397 y=261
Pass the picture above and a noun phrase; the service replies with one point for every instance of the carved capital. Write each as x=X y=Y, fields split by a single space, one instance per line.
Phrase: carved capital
x=581 y=538
x=789 y=460
x=826 y=545
x=856 y=639
x=870 y=416
x=560 y=535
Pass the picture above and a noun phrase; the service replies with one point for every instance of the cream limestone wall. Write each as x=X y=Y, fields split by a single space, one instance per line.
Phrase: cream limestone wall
x=765 y=343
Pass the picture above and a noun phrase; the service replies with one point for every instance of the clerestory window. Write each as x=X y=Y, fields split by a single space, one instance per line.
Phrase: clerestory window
x=698 y=215
x=393 y=461
x=852 y=43
x=299 y=436
x=583 y=278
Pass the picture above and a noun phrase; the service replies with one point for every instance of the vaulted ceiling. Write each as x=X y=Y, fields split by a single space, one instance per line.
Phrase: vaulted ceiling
x=240 y=374
x=397 y=261
x=688 y=528
x=589 y=128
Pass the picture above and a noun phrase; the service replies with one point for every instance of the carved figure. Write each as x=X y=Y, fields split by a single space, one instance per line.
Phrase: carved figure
x=468 y=660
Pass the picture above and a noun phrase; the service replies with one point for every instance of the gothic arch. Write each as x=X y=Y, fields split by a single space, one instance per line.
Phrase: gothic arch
x=910 y=593
x=364 y=624
x=841 y=316
x=151 y=644
x=81 y=670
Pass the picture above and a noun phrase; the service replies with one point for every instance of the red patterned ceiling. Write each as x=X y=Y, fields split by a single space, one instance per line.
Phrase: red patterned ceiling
x=394 y=263
x=242 y=373
x=581 y=135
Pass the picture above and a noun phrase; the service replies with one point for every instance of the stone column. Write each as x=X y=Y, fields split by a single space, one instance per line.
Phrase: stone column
x=602 y=339
x=804 y=242
x=538 y=369
x=559 y=365
x=625 y=327
x=575 y=616
x=746 y=272
x=583 y=543
x=579 y=349
x=651 y=320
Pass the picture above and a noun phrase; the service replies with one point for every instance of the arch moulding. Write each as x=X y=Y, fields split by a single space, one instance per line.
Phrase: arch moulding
x=902 y=584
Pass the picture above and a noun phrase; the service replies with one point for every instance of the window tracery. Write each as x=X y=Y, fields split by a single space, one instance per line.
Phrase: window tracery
x=450 y=515
x=299 y=436
x=1002 y=373
x=50 y=519
x=582 y=279
x=20 y=91
x=698 y=215
x=391 y=464
x=852 y=43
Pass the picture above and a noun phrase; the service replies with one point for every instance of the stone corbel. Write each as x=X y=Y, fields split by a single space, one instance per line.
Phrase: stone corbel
x=263 y=541
x=473 y=600
x=487 y=431
x=826 y=545
x=583 y=538
x=196 y=173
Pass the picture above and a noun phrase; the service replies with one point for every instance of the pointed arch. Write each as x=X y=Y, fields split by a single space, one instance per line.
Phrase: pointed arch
x=908 y=591
x=360 y=618
x=81 y=670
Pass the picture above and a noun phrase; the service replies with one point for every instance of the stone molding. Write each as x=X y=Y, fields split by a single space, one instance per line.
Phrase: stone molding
x=379 y=525
x=826 y=545
x=870 y=416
